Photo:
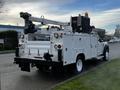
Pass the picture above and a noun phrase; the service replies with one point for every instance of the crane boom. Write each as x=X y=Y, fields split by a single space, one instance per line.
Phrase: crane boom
x=47 y=21
x=42 y=20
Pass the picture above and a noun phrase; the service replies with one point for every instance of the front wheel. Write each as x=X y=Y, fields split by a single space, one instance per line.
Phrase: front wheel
x=106 y=56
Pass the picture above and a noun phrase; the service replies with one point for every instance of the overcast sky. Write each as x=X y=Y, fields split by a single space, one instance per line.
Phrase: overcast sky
x=104 y=13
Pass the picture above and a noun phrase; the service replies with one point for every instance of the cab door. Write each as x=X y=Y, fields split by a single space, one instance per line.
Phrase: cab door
x=100 y=47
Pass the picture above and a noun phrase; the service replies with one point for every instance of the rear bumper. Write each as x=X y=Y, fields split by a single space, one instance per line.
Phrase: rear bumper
x=19 y=61
x=26 y=63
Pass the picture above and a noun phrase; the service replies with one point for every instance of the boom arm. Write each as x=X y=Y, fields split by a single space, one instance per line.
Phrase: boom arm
x=28 y=16
x=46 y=21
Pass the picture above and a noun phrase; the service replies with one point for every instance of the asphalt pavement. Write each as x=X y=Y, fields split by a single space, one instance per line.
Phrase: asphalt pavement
x=13 y=79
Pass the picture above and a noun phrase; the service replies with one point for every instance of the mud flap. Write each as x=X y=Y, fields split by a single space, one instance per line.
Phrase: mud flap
x=25 y=67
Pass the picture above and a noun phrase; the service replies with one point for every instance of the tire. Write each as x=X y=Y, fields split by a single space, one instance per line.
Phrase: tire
x=79 y=65
x=58 y=70
x=106 y=55
x=40 y=68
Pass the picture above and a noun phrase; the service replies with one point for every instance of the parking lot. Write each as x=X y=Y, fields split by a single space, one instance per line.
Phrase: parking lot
x=13 y=79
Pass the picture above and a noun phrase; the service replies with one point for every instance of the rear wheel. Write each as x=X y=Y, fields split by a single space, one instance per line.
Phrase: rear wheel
x=79 y=65
x=57 y=70
x=40 y=68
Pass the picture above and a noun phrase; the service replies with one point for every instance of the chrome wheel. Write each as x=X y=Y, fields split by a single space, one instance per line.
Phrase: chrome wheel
x=107 y=56
x=79 y=65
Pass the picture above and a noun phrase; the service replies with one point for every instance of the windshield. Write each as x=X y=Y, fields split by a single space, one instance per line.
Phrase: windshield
x=38 y=37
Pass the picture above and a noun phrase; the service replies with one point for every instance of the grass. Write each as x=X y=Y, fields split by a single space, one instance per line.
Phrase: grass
x=104 y=77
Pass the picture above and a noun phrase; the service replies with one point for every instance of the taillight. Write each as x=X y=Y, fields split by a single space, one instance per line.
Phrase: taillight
x=58 y=35
x=58 y=46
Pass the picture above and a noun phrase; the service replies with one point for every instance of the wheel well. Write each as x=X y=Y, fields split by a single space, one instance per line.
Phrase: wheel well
x=81 y=55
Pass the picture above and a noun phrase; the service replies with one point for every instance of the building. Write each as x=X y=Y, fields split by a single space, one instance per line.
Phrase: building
x=11 y=27
x=8 y=42
x=117 y=31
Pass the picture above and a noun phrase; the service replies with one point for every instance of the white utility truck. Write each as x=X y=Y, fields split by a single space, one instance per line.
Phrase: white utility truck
x=59 y=44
